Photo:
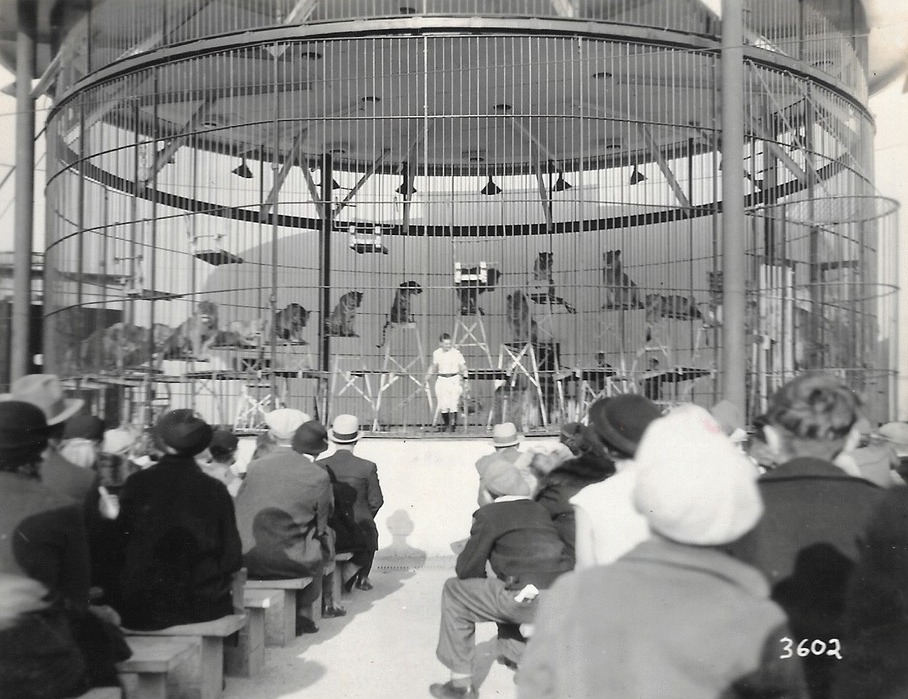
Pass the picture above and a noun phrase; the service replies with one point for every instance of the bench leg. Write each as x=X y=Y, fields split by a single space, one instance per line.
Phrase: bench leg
x=152 y=685
x=247 y=658
x=280 y=620
x=211 y=672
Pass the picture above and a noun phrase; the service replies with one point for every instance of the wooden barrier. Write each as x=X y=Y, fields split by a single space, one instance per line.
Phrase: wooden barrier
x=202 y=675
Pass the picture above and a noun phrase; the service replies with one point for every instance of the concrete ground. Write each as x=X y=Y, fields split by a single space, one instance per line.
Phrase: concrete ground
x=383 y=649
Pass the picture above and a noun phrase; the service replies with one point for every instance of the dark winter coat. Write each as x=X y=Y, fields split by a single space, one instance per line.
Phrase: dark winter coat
x=562 y=483
x=181 y=546
x=362 y=476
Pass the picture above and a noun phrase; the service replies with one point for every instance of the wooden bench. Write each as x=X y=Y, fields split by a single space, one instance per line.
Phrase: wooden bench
x=280 y=618
x=202 y=675
x=337 y=575
x=102 y=693
x=144 y=675
x=247 y=658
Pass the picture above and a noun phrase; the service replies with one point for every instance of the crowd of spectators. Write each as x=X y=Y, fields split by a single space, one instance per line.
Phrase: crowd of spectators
x=651 y=553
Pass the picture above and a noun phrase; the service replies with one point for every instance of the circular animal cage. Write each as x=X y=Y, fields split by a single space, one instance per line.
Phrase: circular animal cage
x=294 y=214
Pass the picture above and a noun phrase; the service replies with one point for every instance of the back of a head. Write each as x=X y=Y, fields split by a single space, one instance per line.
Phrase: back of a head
x=184 y=432
x=224 y=444
x=23 y=435
x=84 y=427
x=693 y=485
x=814 y=406
x=501 y=478
x=310 y=438
x=620 y=421
x=284 y=422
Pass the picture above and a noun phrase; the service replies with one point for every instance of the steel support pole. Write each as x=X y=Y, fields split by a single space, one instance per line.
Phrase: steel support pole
x=324 y=281
x=734 y=355
x=20 y=340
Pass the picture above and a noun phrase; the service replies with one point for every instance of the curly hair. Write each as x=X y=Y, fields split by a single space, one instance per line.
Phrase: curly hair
x=814 y=406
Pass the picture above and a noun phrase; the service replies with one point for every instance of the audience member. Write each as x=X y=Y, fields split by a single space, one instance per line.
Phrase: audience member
x=807 y=543
x=57 y=473
x=507 y=446
x=52 y=643
x=515 y=536
x=675 y=616
x=81 y=441
x=115 y=460
x=874 y=642
x=896 y=435
x=222 y=456
x=362 y=476
x=282 y=513
x=181 y=546
x=607 y=524
x=311 y=440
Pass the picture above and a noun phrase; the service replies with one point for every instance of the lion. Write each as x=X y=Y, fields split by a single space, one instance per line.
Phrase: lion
x=195 y=335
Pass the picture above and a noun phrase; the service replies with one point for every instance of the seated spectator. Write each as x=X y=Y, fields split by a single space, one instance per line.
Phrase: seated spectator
x=52 y=642
x=676 y=616
x=181 y=546
x=361 y=477
x=46 y=392
x=517 y=539
x=282 y=513
x=895 y=434
x=507 y=447
x=615 y=425
x=115 y=460
x=222 y=455
x=81 y=443
x=808 y=541
x=607 y=523
x=874 y=643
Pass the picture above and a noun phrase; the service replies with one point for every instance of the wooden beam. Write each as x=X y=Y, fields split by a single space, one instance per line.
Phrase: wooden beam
x=663 y=166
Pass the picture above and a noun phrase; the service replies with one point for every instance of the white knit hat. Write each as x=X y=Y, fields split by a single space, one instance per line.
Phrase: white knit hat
x=284 y=422
x=693 y=485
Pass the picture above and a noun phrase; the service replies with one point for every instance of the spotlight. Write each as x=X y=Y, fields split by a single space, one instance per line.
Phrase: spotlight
x=491 y=188
x=637 y=176
x=561 y=184
x=334 y=184
x=243 y=170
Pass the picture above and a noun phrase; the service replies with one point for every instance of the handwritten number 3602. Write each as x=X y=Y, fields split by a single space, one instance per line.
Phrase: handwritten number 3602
x=807 y=647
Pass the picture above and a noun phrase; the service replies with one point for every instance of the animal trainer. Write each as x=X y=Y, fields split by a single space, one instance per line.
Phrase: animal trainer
x=451 y=367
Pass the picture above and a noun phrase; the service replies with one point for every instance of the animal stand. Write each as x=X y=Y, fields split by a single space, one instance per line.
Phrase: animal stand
x=470 y=331
x=360 y=381
x=396 y=366
x=257 y=399
x=517 y=359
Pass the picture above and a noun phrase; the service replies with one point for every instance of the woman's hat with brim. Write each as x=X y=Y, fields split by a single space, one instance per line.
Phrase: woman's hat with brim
x=505 y=435
x=620 y=421
x=311 y=438
x=344 y=429
x=23 y=433
x=184 y=432
x=45 y=391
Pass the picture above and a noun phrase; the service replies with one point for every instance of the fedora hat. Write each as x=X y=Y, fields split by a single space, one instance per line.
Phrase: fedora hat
x=620 y=420
x=183 y=431
x=344 y=429
x=505 y=435
x=46 y=392
x=23 y=433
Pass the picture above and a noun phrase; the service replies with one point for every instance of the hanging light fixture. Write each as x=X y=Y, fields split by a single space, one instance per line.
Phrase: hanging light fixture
x=491 y=188
x=561 y=184
x=243 y=170
x=637 y=176
x=406 y=186
x=334 y=184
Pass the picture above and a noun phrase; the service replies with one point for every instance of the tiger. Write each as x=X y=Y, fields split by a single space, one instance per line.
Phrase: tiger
x=290 y=322
x=340 y=322
x=517 y=311
x=400 y=309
